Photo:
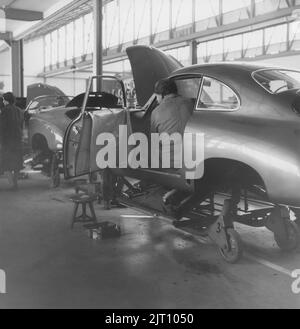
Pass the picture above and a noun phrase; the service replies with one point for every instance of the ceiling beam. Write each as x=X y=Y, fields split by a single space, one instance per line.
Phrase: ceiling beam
x=23 y=15
x=58 y=19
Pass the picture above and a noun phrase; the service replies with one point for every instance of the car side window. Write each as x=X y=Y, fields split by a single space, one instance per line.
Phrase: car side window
x=215 y=95
x=188 y=87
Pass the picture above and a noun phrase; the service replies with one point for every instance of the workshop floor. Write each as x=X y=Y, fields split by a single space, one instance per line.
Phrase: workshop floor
x=152 y=265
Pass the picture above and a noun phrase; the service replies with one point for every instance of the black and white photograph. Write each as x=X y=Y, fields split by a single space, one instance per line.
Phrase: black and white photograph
x=149 y=157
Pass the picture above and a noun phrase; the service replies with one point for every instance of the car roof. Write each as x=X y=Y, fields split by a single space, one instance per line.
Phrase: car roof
x=223 y=68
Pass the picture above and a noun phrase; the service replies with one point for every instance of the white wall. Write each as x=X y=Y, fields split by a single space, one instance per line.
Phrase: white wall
x=5 y=70
x=33 y=62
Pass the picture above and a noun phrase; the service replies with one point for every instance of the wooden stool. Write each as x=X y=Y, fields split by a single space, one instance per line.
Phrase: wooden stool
x=84 y=200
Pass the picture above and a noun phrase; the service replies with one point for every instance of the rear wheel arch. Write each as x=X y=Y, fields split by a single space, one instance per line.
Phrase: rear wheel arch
x=228 y=172
x=39 y=142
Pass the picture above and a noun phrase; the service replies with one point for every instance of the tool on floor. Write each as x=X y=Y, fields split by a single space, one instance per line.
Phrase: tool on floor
x=103 y=230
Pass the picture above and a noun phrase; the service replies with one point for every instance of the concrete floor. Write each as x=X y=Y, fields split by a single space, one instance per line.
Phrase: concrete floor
x=152 y=265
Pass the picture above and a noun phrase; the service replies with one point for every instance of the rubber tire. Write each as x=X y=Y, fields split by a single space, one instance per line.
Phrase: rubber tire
x=54 y=172
x=235 y=254
x=294 y=238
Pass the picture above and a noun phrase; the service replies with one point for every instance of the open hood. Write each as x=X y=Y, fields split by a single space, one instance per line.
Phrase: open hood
x=42 y=89
x=149 y=65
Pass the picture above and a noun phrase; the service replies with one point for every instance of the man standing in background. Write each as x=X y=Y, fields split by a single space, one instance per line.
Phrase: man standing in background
x=11 y=139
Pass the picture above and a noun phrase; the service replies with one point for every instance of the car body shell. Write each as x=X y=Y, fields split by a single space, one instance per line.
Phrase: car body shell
x=47 y=124
x=262 y=135
x=51 y=125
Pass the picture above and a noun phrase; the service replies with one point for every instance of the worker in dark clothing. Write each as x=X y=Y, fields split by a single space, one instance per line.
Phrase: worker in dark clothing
x=172 y=113
x=171 y=116
x=11 y=139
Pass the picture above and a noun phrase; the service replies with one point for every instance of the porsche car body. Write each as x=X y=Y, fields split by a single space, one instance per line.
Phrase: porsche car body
x=48 y=117
x=249 y=114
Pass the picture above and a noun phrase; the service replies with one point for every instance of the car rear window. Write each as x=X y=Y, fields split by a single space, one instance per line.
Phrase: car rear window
x=277 y=81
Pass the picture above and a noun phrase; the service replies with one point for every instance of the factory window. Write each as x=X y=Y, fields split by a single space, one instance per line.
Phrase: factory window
x=276 y=34
x=54 y=47
x=253 y=43
x=231 y=5
x=215 y=50
x=181 y=12
x=116 y=68
x=111 y=24
x=47 y=50
x=2 y=21
x=62 y=44
x=142 y=18
x=160 y=16
x=70 y=40
x=88 y=34
x=276 y=39
x=217 y=96
x=207 y=9
x=126 y=66
x=79 y=37
x=266 y=6
x=126 y=20
x=233 y=47
x=215 y=47
x=202 y=51
x=182 y=54
x=294 y=36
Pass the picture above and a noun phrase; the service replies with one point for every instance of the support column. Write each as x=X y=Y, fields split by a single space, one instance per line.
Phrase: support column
x=151 y=23
x=253 y=8
x=171 y=19
x=194 y=16
x=98 y=57
x=193 y=52
x=17 y=68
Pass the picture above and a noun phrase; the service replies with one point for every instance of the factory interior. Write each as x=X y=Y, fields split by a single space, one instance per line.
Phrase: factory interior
x=81 y=229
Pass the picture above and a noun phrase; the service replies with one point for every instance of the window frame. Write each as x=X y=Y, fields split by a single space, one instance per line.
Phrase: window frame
x=271 y=69
x=236 y=94
x=186 y=76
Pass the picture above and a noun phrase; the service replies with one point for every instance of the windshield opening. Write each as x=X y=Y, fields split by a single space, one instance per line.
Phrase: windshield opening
x=48 y=102
x=277 y=81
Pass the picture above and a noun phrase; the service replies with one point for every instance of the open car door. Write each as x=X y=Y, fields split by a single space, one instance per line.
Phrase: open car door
x=101 y=112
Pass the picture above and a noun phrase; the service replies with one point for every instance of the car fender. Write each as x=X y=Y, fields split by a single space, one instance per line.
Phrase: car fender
x=52 y=134
x=268 y=147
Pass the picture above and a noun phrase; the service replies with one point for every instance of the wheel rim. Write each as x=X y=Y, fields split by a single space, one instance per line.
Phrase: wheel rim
x=235 y=252
x=233 y=248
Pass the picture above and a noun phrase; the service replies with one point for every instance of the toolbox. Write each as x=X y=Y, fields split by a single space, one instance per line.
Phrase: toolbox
x=103 y=230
